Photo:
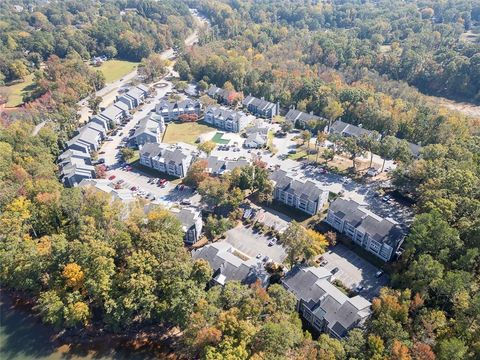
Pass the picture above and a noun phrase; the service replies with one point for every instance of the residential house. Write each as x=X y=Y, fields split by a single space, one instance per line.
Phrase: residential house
x=149 y=130
x=100 y=120
x=172 y=110
x=299 y=118
x=322 y=304
x=345 y=129
x=229 y=264
x=97 y=127
x=75 y=166
x=342 y=128
x=173 y=160
x=134 y=97
x=261 y=107
x=217 y=167
x=223 y=96
x=257 y=137
x=88 y=138
x=304 y=196
x=380 y=236
x=227 y=119
x=192 y=90
x=106 y=186
x=192 y=224
x=114 y=113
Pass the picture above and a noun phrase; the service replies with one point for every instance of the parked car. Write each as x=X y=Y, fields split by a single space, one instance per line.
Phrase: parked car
x=259 y=256
x=112 y=177
x=372 y=172
x=335 y=270
x=323 y=263
x=185 y=202
x=379 y=273
x=133 y=188
x=359 y=288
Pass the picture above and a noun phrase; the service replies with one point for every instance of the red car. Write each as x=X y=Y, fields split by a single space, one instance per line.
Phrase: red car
x=111 y=177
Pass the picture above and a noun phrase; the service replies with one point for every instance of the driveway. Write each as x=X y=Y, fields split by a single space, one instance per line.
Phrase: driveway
x=250 y=243
x=355 y=271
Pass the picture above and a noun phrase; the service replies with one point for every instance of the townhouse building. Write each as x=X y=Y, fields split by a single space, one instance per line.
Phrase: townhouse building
x=227 y=119
x=380 y=236
x=304 y=196
x=171 y=110
x=261 y=107
x=322 y=305
x=173 y=160
x=228 y=264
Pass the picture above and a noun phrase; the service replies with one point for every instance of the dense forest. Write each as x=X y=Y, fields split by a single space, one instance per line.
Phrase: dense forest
x=33 y=31
x=418 y=42
x=90 y=264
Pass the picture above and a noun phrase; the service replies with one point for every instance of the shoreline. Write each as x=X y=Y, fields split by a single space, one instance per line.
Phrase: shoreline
x=153 y=342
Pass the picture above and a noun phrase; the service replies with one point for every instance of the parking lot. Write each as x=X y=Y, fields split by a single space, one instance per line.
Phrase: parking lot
x=254 y=244
x=354 y=271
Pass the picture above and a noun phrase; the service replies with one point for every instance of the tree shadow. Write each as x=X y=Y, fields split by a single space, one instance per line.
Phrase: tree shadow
x=22 y=335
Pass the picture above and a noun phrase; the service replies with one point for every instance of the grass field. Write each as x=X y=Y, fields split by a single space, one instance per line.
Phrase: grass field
x=116 y=69
x=185 y=132
x=16 y=91
x=217 y=138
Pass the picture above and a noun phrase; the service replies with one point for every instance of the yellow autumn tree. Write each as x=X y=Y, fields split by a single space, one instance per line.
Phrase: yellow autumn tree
x=77 y=313
x=73 y=275
x=319 y=241
x=14 y=219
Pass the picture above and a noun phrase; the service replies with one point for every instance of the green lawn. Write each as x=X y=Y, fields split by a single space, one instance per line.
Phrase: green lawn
x=17 y=90
x=300 y=154
x=185 y=132
x=116 y=69
x=217 y=138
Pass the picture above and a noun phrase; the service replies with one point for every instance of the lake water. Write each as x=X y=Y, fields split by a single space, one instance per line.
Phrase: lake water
x=24 y=337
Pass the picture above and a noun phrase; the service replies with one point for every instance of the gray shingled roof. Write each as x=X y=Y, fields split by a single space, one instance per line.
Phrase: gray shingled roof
x=150 y=150
x=182 y=104
x=342 y=128
x=225 y=113
x=260 y=104
x=168 y=153
x=187 y=216
x=312 y=286
x=147 y=125
x=111 y=112
x=294 y=115
x=216 y=91
x=380 y=229
x=304 y=190
x=229 y=266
